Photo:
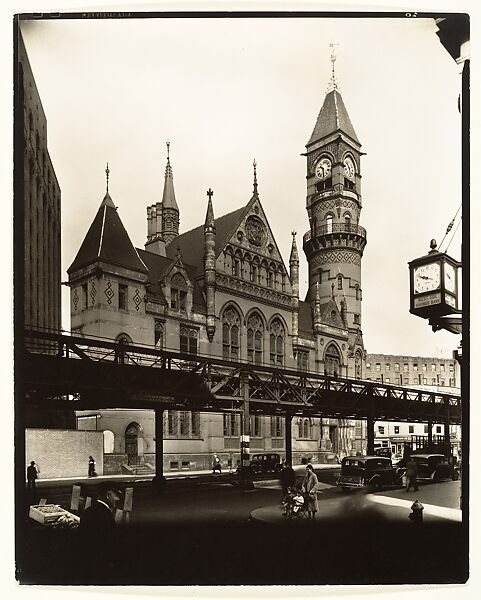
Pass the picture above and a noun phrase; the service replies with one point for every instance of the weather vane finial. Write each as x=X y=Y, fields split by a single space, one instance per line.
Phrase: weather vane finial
x=107 y=173
x=254 y=164
x=332 y=82
x=168 y=150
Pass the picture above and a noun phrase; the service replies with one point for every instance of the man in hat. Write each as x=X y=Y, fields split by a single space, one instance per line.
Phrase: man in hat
x=99 y=517
x=98 y=538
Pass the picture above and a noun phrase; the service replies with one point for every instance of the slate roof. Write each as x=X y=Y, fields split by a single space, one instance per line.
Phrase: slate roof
x=332 y=117
x=107 y=240
x=191 y=243
x=158 y=266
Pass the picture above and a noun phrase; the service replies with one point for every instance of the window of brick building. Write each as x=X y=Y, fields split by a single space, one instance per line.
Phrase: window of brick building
x=122 y=297
x=411 y=428
x=276 y=340
x=188 y=340
x=231 y=334
x=255 y=336
x=302 y=361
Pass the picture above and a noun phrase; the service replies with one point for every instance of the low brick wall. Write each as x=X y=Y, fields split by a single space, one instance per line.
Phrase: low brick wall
x=113 y=463
x=64 y=453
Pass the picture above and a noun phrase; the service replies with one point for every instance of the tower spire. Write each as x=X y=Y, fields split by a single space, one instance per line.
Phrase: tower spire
x=254 y=164
x=333 y=85
x=107 y=173
x=170 y=210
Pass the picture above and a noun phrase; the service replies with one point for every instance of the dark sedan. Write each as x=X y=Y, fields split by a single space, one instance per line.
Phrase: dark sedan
x=371 y=472
x=433 y=467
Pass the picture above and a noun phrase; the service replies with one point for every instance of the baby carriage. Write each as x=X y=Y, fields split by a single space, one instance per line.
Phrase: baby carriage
x=293 y=504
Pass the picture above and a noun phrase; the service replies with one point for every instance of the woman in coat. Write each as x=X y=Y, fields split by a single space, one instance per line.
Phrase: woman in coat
x=309 y=487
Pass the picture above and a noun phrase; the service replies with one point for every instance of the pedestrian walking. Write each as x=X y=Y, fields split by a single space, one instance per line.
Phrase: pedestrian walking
x=92 y=472
x=216 y=465
x=32 y=475
x=287 y=478
x=411 y=476
x=309 y=487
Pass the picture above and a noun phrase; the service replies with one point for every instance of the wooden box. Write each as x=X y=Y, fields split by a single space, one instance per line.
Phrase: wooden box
x=49 y=513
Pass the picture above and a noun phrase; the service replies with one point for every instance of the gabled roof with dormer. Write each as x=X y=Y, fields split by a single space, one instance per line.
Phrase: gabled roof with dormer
x=191 y=243
x=107 y=240
x=333 y=117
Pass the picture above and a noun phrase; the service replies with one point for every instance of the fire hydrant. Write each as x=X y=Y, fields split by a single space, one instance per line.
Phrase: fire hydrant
x=417 y=512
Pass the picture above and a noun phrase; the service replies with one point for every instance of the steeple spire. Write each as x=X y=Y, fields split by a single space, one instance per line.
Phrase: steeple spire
x=254 y=164
x=107 y=199
x=170 y=210
x=333 y=85
x=209 y=266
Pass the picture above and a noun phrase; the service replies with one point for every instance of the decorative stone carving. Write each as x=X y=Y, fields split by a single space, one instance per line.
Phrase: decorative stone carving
x=109 y=292
x=255 y=229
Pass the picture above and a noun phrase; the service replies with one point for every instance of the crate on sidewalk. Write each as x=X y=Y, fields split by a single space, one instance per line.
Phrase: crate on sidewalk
x=48 y=514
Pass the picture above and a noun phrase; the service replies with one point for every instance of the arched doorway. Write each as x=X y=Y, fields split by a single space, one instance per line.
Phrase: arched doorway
x=132 y=444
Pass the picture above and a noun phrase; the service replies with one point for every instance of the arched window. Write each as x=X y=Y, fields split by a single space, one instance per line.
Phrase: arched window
x=237 y=264
x=347 y=221
x=231 y=334
x=255 y=335
x=178 y=293
x=254 y=274
x=228 y=259
x=276 y=342
x=329 y=224
x=332 y=361
x=270 y=278
x=188 y=340
x=339 y=282
x=358 y=365
x=108 y=442
x=159 y=335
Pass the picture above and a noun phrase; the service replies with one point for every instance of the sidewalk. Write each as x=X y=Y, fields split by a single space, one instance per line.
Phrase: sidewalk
x=439 y=499
x=299 y=469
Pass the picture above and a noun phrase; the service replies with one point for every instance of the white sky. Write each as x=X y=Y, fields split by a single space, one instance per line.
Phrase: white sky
x=225 y=91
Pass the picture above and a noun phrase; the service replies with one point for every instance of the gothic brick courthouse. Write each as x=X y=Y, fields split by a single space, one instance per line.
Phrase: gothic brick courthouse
x=222 y=289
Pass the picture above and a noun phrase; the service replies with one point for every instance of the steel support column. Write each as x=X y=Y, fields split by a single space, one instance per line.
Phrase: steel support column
x=430 y=433
x=245 y=470
x=288 y=434
x=159 y=479
x=370 y=434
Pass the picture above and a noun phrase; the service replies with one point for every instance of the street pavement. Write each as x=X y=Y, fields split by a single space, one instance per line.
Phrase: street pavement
x=203 y=532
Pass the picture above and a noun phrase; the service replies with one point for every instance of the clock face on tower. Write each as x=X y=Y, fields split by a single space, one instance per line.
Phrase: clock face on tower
x=349 y=169
x=427 y=278
x=449 y=278
x=323 y=168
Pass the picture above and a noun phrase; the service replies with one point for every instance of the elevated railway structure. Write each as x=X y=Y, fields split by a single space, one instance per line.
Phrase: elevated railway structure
x=91 y=373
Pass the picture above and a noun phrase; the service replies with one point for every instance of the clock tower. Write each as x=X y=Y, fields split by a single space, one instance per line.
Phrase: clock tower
x=335 y=242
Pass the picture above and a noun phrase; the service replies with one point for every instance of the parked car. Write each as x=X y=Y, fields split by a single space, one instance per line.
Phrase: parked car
x=265 y=463
x=368 y=472
x=434 y=467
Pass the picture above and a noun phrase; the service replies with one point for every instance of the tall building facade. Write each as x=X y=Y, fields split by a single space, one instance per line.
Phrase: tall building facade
x=41 y=198
x=42 y=251
x=222 y=289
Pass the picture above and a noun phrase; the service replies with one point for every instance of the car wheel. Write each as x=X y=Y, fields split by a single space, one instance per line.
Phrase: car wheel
x=374 y=485
x=437 y=477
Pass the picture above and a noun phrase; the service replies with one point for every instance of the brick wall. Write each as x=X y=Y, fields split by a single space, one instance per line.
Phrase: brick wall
x=64 y=453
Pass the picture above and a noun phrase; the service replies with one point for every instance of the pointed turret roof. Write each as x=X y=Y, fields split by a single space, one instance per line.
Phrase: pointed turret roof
x=333 y=117
x=294 y=257
x=108 y=241
x=209 y=217
x=168 y=197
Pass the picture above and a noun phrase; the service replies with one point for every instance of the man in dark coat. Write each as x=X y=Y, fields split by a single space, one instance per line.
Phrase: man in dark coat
x=98 y=538
x=32 y=475
x=287 y=477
